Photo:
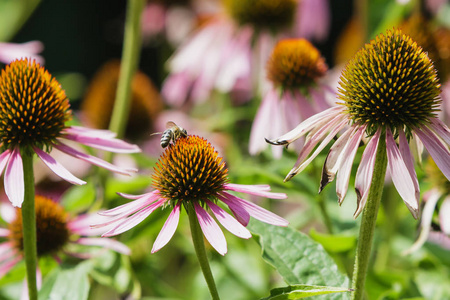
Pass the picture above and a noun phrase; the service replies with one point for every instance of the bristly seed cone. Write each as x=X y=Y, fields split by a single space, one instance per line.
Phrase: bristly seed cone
x=33 y=106
x=295 y=63
x=390 y=82
x=190 y=170
x=51 y=227
x=274 y=14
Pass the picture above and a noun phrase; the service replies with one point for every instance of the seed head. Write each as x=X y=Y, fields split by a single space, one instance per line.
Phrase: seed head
x=390 y=82
x=33 y=107
x=274 y=14
x=295 y=63
x=51 y=227
x=190 y=170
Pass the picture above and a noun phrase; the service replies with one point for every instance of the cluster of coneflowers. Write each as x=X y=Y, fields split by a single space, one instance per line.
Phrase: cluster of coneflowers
x=389 y=96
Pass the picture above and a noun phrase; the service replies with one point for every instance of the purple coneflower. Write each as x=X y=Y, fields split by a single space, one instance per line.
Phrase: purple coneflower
x=11 y=51
x=294 y=91
x=33 y=112
x=191 y=174
x=228 y=52
x=390 y=91
x=57 y=233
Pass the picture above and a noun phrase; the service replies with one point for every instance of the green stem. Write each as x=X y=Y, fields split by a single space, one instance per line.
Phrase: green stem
x=29 y=225
x=368 y=221
x=130 y=58
x=199 y=245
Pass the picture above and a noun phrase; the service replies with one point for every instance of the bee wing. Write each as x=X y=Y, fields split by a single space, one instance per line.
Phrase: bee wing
x=171 y=124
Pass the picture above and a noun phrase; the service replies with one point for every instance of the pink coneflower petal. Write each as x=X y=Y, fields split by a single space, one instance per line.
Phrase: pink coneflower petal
x=4 y=158
x=102 y=143
x=238 y=211
x=257 y=191
x=364 y=173
x=131 y=207
x=4 y=232
x=427 y=216
x=79 y=130
x=444 y=213
x=437 y=150
x=14 y=185
x=441 y=129
x=168 y=229
x=135 y=219
x=105 y=243
x=255 y=211
x=401 y=176
x=409 y=161
x=57 y=168
x=176 y=87
x=348 y=155
x=230 y=223
x=5 y=267
x=306 y=110
x=92 y=159
x=7 y=250
x=291 y=110
x=211 y=230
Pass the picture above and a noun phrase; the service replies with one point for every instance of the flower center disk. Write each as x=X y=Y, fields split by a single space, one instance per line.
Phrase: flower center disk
x=33 y=107
x=274 y=14
x=390 y=82
x=295 y=63
x=189 y=170
x=51 y=227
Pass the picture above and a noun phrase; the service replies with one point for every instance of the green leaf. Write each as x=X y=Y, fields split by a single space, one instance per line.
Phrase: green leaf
x=297 y=258
x=334 y=243
x=79 y=198
x=68 y=282
x=302 y=291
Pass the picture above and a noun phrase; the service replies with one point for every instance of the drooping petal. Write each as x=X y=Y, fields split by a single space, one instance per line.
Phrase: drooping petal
x=255 y=211
x=409 y=162
x=230 y=223
x=80 y=130
x=211 y=230
x=444 y=216
x=4 y=232
x=425 y=224
x=14 y=185
x=92 y=159
x=105 y=243
x=345 y=169
x=437 y=150
x=364 y=173
x=4 y=158
x=6 y=266
x=168 y=229
x=57 y=168
x=238 y=211
x=81 y=224
x=133 y=220
x=441 y=129
x=102 y=143
x=133 y=206
x=254 y=190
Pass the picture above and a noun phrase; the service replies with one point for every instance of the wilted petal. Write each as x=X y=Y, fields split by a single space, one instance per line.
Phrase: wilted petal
x=14 y=185
x=256 y=211
x=254 y=190
x=437 y=150
x=105 y=243
x=57 y=168
x=230 y=223
x=168 y=229
x=211 y=230
x=364 y=173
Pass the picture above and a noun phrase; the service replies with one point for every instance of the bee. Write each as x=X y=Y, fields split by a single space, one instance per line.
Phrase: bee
x=172 y=133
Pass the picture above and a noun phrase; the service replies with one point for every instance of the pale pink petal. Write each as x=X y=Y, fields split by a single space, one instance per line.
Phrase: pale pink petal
x=444 y=216
x=364 y=173
x=441 y=129
x=105 y=243
x=6 y=266
x=8 y=212
x=249 y=189
x=4 y=158
x=14 y=185
x=133 y=206
x=4 y=232
x=211 y=230
x=133 y=220
x=307 y=110
x=92 y=159
x=12 y=51
x=7 y=250
x=230 y=223
x=291 y=110
x=57 y=168
x=335 y=157
x=239 y=212
x=255 y=211
x=168 y=229
x=102 y=143
x=79 y=130
x=176 y=88
x=409 y=162
x=81 y=224
x=345 y=169
x=425 y=224
x=313 y=19
x=245 y=188
x=437 y=150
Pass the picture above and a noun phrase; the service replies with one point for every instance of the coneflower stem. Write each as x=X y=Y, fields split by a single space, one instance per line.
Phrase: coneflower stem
x=368 y=221
x=199 y=245
x=130 y=58
x=29 y=225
